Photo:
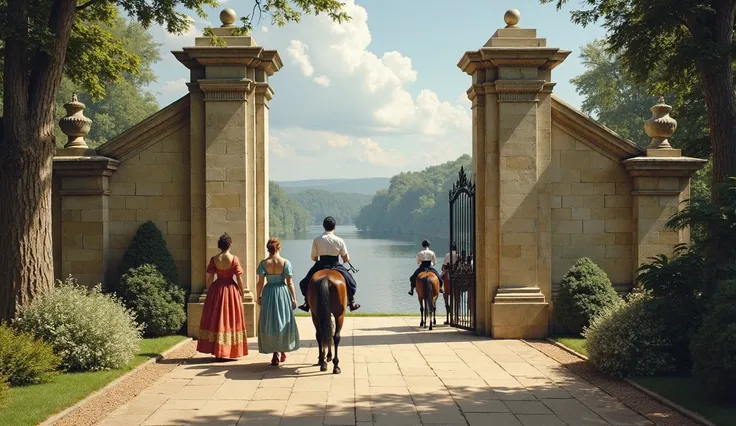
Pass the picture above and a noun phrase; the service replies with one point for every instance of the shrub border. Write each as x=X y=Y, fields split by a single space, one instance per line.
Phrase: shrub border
x=684 y=411
x=58 y=416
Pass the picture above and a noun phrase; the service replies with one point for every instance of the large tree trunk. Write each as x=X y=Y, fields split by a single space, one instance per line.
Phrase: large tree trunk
x=720 y=100
x=27 y=148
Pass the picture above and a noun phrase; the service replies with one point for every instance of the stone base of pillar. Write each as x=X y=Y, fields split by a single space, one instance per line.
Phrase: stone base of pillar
x=194 y=314
x=519 y=313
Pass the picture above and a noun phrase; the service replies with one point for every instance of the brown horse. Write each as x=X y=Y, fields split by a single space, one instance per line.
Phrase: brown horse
x=327 y=296
x=428 y=289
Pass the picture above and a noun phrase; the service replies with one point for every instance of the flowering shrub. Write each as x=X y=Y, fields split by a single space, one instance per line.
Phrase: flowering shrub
x=88 y=329
x=157 y=302
x=584 y=291
x=627 y=340
x=25 y=360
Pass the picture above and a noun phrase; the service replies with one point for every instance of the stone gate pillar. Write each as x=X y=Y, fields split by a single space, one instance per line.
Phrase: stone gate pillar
x=512 y=150
x=229 y=136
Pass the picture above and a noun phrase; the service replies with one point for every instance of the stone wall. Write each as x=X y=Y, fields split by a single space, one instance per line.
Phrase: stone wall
x=153 y=184
x=591 y=209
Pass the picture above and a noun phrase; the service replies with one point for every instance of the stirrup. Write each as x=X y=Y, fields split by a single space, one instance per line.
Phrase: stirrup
x=353 y=306
x=304 y=307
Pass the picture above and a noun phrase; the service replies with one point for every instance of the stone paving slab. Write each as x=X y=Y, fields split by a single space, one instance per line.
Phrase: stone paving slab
x=392 y=374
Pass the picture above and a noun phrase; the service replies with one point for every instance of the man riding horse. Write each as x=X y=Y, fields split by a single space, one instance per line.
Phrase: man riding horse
x=426 y=260
x=326 y=250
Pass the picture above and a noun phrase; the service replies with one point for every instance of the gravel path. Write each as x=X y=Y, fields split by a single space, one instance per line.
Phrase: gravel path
x=638 y=401
x=98 y=408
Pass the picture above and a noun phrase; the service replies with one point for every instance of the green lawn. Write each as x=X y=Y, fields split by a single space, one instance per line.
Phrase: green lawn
x=685 y=392
x=575 y=343
x=29 y=405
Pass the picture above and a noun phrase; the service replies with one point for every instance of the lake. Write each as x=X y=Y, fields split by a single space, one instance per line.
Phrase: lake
x=384 y=265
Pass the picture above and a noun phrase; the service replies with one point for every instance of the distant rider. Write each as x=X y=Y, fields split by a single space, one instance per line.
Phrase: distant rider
x=325 y=251
x=426 y=260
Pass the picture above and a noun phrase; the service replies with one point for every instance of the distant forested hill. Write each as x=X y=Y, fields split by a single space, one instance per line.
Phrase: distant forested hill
x=415 y=202
x=367 y=186
x=286 y=216
x=344 y=207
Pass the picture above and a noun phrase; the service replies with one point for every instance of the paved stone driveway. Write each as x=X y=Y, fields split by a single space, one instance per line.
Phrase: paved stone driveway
x=392 y=374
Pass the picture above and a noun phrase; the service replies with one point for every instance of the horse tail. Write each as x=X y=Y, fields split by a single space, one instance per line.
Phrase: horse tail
x=324 y=323
x=428 y=293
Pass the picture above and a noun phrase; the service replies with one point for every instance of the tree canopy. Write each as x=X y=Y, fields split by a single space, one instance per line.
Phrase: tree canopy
x=415 y=202
x=622 y=103
x=40 y=42
x=286 y=216
x=343 y=206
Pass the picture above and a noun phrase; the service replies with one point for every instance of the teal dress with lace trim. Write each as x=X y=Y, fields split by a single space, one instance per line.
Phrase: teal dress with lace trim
x=277 y=328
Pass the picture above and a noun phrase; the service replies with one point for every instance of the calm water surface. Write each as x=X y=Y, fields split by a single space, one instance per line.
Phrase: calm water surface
x=384 y=265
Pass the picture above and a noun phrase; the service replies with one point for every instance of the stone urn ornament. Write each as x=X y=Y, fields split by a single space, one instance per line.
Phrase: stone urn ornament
x=75 y=125
x=660 y=126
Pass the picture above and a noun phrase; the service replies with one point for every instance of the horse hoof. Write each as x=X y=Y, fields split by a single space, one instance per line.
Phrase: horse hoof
x=323 y=368
x=336 y=370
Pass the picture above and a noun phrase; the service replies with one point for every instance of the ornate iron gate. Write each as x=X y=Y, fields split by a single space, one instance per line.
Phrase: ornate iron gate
x=462 y=269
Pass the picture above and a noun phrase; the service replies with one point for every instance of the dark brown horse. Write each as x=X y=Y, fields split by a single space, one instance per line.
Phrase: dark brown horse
x=428 y=289
x=454 y=307
x=446 y=295
x=328 y=295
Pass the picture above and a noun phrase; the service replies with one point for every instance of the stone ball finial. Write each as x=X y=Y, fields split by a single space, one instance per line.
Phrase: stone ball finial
x=660 y=126
x=75 y=125
x=227 y=17
x=512 y=18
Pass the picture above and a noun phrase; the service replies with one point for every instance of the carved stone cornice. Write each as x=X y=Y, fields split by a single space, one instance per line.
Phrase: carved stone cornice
x=518 y=90
x=263 y=92
x=226 y=90
x=545 y=58
x=249 y=56
x=85 y=166
x=663 y=166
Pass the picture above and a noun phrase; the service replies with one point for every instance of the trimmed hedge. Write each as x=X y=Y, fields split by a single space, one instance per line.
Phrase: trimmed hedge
x=628 y=340
x=25 y=360
x=584 y=292
x=4 y=391
x=157 y=302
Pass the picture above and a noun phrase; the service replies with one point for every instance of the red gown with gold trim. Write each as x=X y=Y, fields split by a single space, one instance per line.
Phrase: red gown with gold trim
x=222 y=326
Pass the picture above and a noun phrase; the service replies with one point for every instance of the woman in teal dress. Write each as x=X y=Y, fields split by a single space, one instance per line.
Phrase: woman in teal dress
x=277 y=328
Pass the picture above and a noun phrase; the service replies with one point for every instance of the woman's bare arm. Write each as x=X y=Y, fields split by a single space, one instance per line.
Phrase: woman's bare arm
x=210 y=279
x=290 y=283
x=241 y=286
x=259 y=287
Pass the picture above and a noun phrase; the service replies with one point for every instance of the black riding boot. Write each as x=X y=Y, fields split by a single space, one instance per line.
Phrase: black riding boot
x=305 y=306
x=351 y=304
x=413 y=284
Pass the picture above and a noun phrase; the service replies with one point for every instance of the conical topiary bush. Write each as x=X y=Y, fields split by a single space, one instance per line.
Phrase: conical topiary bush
x=149 y=248
x=584 y=292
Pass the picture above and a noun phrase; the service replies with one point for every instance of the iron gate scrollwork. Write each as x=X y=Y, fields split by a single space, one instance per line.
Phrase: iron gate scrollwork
x=462 y=270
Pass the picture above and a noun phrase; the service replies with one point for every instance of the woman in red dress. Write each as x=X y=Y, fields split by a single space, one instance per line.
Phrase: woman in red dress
x=222 y=326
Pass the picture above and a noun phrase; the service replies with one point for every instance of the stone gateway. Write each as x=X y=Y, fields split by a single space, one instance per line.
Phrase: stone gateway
x=551 y=185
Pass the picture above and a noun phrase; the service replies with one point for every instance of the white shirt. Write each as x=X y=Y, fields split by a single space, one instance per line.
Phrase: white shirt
x=328 y=244
x=447 y=260
x=426 y=255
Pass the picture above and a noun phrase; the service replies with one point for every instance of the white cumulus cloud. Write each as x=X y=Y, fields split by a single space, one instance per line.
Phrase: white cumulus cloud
x=322 y=80
x=298 y=52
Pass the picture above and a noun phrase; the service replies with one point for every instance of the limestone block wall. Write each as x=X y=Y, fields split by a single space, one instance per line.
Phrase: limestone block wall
x=591 y=209
x=153 y=184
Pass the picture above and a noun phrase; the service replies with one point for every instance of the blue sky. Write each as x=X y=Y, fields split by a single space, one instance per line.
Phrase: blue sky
x=382 y=93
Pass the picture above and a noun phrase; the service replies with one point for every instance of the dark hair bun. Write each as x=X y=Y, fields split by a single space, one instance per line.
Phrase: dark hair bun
x=225 y=242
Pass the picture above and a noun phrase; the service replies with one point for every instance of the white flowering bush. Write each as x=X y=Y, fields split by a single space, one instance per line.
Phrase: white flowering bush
x=88 y=329
x=627 y=340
